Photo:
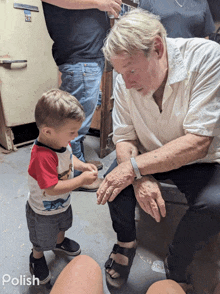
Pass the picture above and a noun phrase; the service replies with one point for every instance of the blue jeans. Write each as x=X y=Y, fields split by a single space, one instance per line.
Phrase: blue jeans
x=82 y=80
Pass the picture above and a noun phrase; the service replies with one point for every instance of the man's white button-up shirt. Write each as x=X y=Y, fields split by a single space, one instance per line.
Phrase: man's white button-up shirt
x=191 y=100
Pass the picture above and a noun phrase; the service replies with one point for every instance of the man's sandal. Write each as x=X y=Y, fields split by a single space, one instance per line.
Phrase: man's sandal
x=122 y=270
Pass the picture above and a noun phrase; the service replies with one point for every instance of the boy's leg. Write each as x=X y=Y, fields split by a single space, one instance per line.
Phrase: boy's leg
x=37 y=262
x=38 y=267
x=37 y=254
x=64 y=244
x=81 y=276
x=165 y=287
x=60 y=237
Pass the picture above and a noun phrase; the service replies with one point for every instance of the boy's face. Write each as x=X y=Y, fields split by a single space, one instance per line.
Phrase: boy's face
x=60 y=137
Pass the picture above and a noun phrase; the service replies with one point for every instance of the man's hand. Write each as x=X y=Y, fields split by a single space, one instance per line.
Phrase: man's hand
x=118 y=179
x=148 y=194
x=111 y=6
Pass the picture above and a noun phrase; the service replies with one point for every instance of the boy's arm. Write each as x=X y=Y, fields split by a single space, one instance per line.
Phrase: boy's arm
x=82 y=166
x=65 y=186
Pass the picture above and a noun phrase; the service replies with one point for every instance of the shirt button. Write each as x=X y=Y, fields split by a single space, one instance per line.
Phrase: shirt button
x=84 y=74
x=85 y=64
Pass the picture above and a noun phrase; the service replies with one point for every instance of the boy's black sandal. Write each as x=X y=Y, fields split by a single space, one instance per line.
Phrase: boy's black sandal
x=122 y=270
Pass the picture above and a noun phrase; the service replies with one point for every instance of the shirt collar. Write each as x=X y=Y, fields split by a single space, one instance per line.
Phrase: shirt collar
x=61 y=150
x=176 y=69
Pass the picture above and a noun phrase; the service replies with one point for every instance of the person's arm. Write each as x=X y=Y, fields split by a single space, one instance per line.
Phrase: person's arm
x=174 y=154
x=112 y=6
x=82 y=166
x=125 y=150
x=171 y=156
x=65 y=186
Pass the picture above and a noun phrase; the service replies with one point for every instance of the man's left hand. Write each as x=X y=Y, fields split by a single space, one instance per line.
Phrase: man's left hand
x=148 y=194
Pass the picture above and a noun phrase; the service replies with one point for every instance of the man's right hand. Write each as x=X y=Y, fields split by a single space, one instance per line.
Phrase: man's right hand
x=111 y=6
x=148 y=194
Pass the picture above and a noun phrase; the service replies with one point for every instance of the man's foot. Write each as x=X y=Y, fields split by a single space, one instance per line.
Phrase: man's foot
x=69 y=247
x=119 y=263
x=97 y=163
x=91 y=188
x=38 y=267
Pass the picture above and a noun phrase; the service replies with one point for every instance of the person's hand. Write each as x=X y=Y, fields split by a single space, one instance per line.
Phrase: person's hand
x=118 y=179
x=89 y=167
x=111 y=6
x=88 y=177
x=148 y=194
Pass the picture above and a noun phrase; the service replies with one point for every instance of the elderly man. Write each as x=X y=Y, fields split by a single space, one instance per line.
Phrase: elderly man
x=166 y=126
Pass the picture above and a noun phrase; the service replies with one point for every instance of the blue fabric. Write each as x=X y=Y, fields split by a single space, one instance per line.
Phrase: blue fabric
x=77 y=34
x=193 y=19
x=82 y=80
x=214 y=6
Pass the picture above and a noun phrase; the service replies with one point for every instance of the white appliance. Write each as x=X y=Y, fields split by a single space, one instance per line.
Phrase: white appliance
x=27 y=68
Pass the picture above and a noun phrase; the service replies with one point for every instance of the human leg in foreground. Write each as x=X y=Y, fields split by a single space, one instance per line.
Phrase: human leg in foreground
x=81 y=275
x=165 y=287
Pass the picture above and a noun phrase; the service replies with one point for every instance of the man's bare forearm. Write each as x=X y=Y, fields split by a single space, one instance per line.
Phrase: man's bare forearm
x=125 y=150
x=174 y=154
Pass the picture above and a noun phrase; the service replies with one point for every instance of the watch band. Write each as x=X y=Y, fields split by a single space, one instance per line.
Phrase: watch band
x=135 y=167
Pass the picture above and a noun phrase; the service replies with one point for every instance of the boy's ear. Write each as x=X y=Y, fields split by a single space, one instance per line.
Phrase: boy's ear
x=47 y=131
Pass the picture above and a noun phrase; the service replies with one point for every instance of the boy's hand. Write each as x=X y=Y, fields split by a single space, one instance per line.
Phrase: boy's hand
x=89 y=167
x=88 y=177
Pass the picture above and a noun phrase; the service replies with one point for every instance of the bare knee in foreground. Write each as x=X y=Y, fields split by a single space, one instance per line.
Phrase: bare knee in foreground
x=165 y=287
x=81 y=276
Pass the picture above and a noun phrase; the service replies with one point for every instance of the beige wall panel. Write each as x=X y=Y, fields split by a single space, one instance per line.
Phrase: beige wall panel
x=22 y=84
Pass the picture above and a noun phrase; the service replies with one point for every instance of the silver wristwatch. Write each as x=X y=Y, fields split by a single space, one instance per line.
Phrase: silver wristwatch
x=136 y=169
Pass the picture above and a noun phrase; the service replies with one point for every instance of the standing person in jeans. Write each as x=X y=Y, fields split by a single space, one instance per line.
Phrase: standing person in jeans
x=78 y=29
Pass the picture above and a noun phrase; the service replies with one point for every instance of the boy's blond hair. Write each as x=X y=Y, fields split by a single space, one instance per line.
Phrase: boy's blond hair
x=55 y=107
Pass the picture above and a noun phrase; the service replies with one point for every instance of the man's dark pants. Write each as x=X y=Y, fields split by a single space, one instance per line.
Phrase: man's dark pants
x=201 y=185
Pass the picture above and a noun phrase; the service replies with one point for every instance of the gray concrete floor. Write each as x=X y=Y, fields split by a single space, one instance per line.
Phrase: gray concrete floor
x=92 y=229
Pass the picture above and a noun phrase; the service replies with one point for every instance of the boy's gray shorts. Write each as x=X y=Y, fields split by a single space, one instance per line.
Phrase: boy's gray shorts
x=43 y=229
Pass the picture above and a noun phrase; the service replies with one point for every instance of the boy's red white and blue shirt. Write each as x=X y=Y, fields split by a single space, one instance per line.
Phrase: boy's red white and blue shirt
x=48 y=166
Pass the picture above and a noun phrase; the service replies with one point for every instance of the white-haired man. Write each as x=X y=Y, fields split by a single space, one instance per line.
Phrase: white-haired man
x=166 y=126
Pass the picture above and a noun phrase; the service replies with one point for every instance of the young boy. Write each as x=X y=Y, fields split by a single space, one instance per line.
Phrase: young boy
x=58 y=117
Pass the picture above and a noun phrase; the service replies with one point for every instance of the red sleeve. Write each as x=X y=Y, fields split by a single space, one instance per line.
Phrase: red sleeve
x=43 y=167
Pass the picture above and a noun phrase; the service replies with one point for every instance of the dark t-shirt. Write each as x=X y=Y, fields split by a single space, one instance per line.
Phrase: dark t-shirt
x=193 y=19
x=214 y=6
x=77 y=34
